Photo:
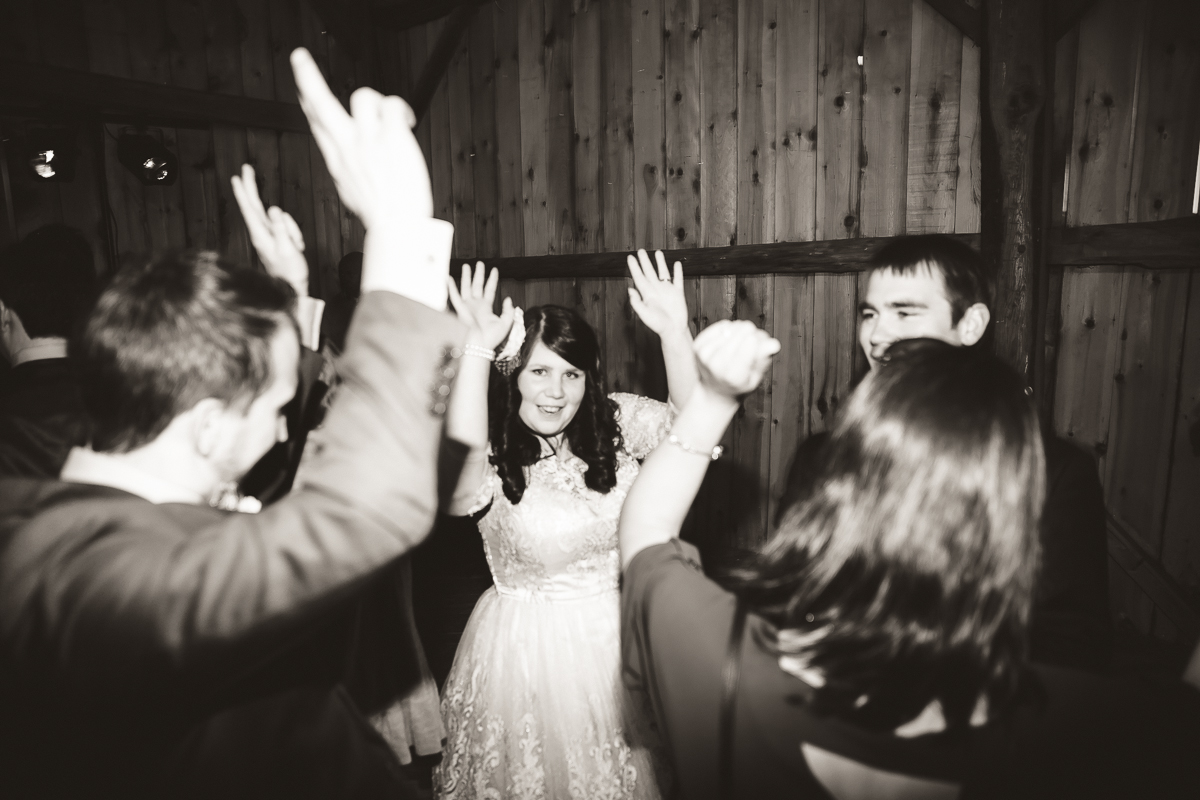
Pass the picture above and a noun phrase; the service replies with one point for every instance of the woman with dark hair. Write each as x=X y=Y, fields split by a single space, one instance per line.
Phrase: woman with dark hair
x=876 y=646
x=533 y=704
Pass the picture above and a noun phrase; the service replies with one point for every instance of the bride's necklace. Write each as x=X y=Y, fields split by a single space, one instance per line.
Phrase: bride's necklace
x=549 y=440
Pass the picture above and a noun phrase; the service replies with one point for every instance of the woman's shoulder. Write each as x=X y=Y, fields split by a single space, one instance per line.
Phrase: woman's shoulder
x=643 y=421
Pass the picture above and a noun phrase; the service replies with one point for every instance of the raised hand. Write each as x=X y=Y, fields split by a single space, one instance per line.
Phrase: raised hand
x=656 y=297
x=732 y=357
x=474 y=300
x=275 y=235
x=371 y=153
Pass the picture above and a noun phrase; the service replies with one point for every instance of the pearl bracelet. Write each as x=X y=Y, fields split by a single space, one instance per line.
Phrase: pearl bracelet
x=687 y=448
x=479 y=352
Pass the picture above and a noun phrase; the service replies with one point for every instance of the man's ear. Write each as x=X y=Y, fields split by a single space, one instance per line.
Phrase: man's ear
x=205 y=425
x=973 y=324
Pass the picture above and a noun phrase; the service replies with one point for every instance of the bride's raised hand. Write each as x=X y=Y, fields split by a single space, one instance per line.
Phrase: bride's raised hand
x=656 y=297
x=474 y=300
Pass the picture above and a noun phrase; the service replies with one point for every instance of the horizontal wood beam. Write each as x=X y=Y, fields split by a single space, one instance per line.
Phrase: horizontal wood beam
x=968 y=20
x=1166 y=244
x=55 y=92
x=1170 y=244
x=1127 y=548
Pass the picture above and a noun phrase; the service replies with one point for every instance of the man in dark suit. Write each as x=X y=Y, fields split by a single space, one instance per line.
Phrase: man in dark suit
x=933 y=286
x=151 y=645
x=47 y=286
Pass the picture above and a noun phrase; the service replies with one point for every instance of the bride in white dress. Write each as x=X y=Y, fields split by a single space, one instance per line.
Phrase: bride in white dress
x=534 y=706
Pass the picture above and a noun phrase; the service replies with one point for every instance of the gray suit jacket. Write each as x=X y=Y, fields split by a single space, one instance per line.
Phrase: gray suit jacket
x=176 y=650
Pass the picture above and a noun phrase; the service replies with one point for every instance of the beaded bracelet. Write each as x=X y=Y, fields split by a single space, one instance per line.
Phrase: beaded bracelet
x=687 y=448
x=479 y=352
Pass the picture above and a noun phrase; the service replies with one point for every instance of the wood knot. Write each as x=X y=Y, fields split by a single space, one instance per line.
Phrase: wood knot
x=839 y=101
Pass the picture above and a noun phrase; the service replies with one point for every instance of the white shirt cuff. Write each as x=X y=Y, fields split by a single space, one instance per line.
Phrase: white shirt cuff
x=411 y=258
x=309 y=311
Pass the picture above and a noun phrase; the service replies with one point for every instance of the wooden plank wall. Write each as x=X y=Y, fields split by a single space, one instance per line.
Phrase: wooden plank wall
x=1128 y=117
x=703 y=123
x=236 y=47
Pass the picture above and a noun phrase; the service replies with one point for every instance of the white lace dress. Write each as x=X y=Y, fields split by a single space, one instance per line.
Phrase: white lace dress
x=534 y=706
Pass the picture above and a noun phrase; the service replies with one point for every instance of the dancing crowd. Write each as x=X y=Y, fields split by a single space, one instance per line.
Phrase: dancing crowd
x=205 y=523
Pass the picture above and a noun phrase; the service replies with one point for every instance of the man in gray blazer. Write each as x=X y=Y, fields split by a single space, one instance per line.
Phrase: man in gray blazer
x=151 y=645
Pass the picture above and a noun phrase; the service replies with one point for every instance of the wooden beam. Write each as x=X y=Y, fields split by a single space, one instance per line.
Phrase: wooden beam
x=439 y=59
x=831 y=255
x=1013 y=78
x=1129 y=550
x=55 y=92
x=968 y=20
x=1167 y=244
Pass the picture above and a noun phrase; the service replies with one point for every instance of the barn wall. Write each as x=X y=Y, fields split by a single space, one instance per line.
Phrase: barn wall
x=572 y=126
x=1128 y=103
x=221 y=46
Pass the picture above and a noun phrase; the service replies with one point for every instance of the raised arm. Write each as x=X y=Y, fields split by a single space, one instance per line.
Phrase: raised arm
x=731 y=358
x=658 y=300
x=280 y=246
x=467 y=417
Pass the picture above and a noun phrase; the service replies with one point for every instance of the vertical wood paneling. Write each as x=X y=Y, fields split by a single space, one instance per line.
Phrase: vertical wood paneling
x=535 y=116
x=1168 y=119
x=791 y=376
x=835 y=299
x=616 y=180
x=560 y=128
x=682 y=121
x=587 y=108
x=441 y=171
x=756 y=111
x=462 y=148
x=481 y=40
x=970 y=144
x=1144 y=387
x=649 y=146
x=1105 y=99
x=839 y=120
x=797 y=52
x=752 y=427
x=510 y=225
x=718 y=122
x=1066 y=57
x=887 y=53
x=1181 y=545
x=934 y=115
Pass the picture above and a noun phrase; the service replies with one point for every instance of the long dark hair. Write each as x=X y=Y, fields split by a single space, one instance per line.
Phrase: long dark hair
x=906 y=575
x=593 y=434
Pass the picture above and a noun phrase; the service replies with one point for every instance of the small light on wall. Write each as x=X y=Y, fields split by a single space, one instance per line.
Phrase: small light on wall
x=860 y=61
x=147 y=158
x=50 y=154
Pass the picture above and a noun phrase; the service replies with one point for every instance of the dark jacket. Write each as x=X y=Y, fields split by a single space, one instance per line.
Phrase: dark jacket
x=1070 y=624
x=175 y=650
x=41 y=418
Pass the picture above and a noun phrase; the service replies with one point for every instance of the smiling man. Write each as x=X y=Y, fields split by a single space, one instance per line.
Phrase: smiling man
x=935 y=287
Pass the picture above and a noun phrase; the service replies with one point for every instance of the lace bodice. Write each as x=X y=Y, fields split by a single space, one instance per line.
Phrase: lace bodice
x=560 y=541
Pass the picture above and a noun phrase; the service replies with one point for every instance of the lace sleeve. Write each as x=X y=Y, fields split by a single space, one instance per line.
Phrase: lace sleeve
x=644 y=422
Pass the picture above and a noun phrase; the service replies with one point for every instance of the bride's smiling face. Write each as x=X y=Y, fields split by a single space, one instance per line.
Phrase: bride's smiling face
x=551 y=390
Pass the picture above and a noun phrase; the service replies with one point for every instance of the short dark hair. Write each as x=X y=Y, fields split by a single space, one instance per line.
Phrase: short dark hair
x=907 y=574
x=593 y=434
x=170 y=333
x=49 y=280
x=967 y=277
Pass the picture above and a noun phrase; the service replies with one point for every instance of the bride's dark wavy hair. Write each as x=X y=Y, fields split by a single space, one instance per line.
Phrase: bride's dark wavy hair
x=593 y=433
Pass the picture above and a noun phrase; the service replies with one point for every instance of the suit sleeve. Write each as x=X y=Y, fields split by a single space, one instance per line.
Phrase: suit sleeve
x=241 y=589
